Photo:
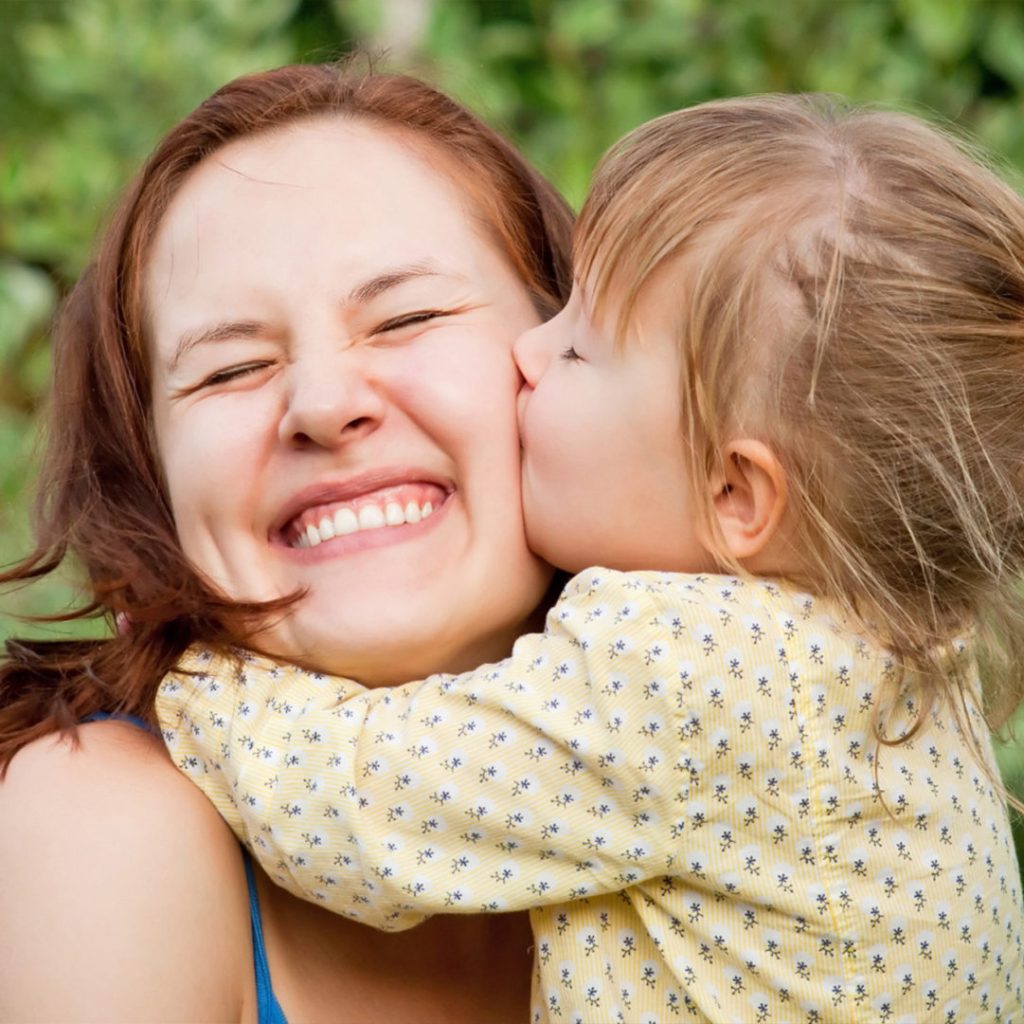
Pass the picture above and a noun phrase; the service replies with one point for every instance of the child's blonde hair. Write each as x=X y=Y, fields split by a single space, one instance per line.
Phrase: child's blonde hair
x=852 y=290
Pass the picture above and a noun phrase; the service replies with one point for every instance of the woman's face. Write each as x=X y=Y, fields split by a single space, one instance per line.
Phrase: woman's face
x=331 y=342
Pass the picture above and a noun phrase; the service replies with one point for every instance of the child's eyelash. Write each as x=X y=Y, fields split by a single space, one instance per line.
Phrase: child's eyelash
x=571 y=355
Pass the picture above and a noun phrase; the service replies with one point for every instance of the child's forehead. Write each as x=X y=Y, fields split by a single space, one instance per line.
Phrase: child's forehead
x=645 y=273
x=632 y=260
x=731 y=285
x=627 y=310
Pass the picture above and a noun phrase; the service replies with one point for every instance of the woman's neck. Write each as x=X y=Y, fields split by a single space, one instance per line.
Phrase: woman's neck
x=450 y=970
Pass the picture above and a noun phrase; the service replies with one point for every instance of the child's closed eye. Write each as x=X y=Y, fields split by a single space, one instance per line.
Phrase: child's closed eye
x=571 y=355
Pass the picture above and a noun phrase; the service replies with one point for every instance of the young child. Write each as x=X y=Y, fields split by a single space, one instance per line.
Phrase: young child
x=743 y=775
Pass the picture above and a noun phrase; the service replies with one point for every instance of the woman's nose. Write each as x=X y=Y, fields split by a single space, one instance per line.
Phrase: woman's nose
x=532 y=352
x=329 y=404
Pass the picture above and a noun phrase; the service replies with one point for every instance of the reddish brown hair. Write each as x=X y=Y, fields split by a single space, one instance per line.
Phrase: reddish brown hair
x=101 y=498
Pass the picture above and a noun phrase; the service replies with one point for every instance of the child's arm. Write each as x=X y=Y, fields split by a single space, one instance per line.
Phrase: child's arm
x=558 y=773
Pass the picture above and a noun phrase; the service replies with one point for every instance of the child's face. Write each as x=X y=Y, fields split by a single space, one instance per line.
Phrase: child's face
x=604 y=465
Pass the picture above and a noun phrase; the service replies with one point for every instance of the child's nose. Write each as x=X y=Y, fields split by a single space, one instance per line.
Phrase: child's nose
x=530 y=352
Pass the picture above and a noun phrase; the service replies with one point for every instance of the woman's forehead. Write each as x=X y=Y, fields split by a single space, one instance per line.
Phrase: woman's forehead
x=340 y=169
x=331 y=199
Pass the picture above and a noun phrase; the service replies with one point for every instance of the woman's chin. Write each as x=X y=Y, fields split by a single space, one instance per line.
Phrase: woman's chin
x=399 y=626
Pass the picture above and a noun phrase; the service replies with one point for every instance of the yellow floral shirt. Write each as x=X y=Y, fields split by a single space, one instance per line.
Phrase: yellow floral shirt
x=679 y=779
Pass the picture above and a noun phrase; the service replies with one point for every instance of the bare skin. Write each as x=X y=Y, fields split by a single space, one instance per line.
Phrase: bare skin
x=451 y=970
x=123 y=898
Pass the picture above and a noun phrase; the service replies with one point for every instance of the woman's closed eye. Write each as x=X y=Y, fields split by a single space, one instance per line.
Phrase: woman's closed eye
x=238 y=372
x=229 y=374
x=421 y=316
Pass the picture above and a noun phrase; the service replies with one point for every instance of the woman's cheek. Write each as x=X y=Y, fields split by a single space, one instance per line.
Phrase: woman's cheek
x=211 y=452
x=459 y=383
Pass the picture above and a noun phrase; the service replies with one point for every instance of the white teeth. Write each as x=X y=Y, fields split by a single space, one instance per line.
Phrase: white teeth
x=345 y=522
x=371 y=518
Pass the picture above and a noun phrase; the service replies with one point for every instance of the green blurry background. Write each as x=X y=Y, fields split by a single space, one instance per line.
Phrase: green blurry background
x=88 y=86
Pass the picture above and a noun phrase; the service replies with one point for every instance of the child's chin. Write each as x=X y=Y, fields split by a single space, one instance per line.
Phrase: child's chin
x=560 y=553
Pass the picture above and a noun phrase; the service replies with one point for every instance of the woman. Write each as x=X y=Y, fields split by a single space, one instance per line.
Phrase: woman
x=305 y=305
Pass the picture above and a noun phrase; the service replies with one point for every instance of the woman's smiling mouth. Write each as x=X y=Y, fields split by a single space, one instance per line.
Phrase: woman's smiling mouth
x=382 y=509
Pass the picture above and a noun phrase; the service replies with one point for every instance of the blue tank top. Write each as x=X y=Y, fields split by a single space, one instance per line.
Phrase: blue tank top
x=268 y=1008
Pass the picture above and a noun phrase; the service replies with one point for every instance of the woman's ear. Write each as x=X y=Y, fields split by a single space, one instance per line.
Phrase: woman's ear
x=749 y=498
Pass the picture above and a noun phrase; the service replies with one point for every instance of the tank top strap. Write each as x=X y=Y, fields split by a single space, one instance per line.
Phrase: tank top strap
x=119 y=716
x=269 y=1008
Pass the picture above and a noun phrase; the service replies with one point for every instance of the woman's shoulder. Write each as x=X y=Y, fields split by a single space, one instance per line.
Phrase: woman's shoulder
x=110 y=787
x=112 y=753
x=122 y=893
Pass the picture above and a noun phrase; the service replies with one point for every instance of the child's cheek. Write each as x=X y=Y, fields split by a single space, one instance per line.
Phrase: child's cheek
x=550 y=434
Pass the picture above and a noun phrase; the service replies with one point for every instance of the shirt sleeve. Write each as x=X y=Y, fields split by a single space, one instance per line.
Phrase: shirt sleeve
x=558 y=773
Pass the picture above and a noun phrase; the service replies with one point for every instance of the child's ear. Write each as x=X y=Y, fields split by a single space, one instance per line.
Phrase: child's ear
x=749 y=498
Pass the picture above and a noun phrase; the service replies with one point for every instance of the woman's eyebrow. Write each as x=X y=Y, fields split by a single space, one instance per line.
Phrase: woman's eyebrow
x=217 y=332
x=392 y=278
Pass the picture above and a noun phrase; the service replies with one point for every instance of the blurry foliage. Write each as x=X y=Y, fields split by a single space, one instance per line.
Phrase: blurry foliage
x=88 y=86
